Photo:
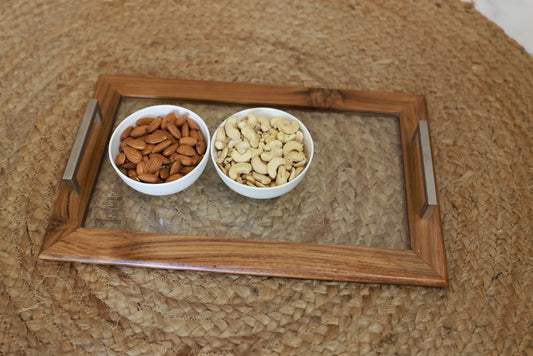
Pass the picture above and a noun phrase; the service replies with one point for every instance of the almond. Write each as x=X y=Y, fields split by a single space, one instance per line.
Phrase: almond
x=139 y=131
x=133 y=155
x=129 y=165
x=148 y=149
x=140 y=168
x=173 y=130
x=148 y=178
x=186 y=160
x=144 y=121
x=154 y=125
x=125 y=142
x=120 y=159
x=180 y=120
x=187 y=169
x=175 y=168
x=163 y=159
x=196 y=134
x=161 y=146
x=153 y=165
x=170 y=149
x=155 y=137
x=169 y=118
x=201 y=147
x=164 y=173
x=193 y=125
x=174 y=177
x=137 y=143
x=188 y=141
x=186 y=150
x=185 y=129
x=126 y=133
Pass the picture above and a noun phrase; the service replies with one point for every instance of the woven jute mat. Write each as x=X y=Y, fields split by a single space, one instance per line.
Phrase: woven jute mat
x=479 y=89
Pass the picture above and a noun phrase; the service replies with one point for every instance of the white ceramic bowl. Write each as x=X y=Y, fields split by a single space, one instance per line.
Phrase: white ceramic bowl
x=160 y=188
x=268 y=192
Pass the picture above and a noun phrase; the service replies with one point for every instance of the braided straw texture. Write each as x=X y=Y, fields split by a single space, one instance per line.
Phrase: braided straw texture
x=479 y=89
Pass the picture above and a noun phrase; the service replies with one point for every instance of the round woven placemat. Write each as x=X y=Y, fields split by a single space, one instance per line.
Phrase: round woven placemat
x=479 y=89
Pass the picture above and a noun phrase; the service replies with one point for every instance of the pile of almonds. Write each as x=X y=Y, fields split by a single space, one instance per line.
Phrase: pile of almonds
x=160 y=149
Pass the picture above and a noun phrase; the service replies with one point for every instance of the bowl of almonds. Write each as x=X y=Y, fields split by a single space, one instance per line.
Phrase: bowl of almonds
x=160 y=150
x=262 y=153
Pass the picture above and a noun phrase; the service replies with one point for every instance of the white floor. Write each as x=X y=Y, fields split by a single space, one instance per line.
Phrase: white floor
x=515 y=17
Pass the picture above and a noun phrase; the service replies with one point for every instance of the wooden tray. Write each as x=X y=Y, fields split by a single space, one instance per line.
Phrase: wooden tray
x=424 y=264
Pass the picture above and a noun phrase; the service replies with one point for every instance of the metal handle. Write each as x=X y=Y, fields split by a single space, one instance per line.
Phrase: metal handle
x=421 y=137
x=92 y=111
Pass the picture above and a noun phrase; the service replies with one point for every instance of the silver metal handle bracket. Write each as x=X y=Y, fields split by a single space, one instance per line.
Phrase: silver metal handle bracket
x=91 y=112
x=421 y=137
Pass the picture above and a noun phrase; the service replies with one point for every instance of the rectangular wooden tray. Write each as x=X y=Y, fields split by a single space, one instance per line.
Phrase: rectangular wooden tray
x=424 y=264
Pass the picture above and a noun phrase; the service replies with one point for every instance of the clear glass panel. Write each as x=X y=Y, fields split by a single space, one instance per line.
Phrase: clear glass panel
x=353 y=194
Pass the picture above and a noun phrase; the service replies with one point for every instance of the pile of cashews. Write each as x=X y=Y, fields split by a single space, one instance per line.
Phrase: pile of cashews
x=259 y=152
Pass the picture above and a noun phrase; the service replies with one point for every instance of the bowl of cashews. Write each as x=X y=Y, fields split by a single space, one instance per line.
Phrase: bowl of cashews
x=262 y=153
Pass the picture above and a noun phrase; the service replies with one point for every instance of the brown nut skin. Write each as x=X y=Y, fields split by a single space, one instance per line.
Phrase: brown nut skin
x=175 y=167
x=137 y=143
x=171 y=117
x=120 y=159
x=153 y=165
x=156 y=137
x=144 y=121
x=148 y=178
x=139 y=131
x=161 y=146
x=174 y=131
x=133 y=155
x=188 y=141
x=186 y=150
x=181 y=120
x=200 y=147
x=170 y=149
x=174 y=177
x=154 y=125
x=126 y=133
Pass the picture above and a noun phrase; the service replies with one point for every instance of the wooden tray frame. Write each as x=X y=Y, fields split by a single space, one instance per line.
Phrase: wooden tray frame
x=67 y=240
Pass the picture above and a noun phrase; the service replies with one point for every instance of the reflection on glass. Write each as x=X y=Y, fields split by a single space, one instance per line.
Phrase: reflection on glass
x=353 y=194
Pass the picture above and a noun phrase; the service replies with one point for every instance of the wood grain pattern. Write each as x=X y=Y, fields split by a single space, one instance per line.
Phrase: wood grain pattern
x=67 y=240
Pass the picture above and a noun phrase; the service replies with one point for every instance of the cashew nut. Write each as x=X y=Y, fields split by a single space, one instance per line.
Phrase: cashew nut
x=242 y=146
x=292 y=146
x=261 y=178
x=239 y=168
x=234 y=142
x=283 y=137
x=250 y=134
x=282 y=176
x=252 y=120
x=289 y=127
x=263 y=123
x=275 y=122
x=273 y=165
x=259 y=166
x=268 y=156
x=294 y=156
x=295 y=171
x=222 y=155
x=231 y=128
x=220 y=139
x=299 y=137
x=241 y=157
x=273 y=145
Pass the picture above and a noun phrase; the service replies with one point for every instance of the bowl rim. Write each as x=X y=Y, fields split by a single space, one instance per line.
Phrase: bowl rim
x=148 y=108
x=263 y=189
